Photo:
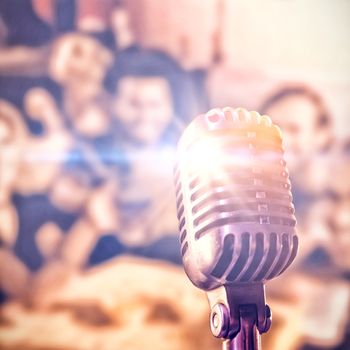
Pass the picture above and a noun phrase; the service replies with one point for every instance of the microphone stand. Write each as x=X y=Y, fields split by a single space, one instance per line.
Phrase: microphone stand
x=239 y=315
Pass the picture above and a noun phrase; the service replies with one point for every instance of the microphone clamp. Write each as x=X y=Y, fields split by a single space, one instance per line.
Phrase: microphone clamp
x=239 y=314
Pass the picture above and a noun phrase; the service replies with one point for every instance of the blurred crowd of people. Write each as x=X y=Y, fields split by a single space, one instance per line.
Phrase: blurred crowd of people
x=89 y=120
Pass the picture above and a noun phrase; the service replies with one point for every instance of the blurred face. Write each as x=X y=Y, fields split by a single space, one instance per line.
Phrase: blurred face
x=85 y=62
x=297 y=116
x=79 y=61
x=144 y=107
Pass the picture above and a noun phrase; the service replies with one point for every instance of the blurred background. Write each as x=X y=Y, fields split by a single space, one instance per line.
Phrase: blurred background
x=93 y=97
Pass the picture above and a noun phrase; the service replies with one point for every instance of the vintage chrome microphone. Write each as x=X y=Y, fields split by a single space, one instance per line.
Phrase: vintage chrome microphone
x=236 y=218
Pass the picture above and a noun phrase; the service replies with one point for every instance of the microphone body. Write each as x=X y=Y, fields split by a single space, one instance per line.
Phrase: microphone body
x=235 y=211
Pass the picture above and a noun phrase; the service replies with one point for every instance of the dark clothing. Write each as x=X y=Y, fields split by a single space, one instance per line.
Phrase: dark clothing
x=33 y=212
x=23 y=26
x=108 y=246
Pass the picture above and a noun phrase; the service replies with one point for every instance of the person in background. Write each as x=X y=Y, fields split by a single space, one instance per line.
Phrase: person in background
x=43 y=153
x=318 y=174
x=325 y=255
x=65 y=250
x=328 y=219
x=308 y=136
x=132 y=209
x=40 y=205
x=148 y=97
x=79 y=64
x=14 y=275
x=38 y=178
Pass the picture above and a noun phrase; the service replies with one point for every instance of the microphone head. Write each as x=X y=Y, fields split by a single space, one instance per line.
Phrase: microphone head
x=234 y=201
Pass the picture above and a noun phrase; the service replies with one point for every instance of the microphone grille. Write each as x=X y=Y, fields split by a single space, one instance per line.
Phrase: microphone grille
x=234 y=201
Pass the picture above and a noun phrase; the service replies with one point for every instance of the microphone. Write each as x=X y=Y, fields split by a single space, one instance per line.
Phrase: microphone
x=236 y=217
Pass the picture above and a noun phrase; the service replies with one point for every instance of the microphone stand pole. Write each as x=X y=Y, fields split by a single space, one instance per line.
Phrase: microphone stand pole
x=239 y=315
x=248 y=336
